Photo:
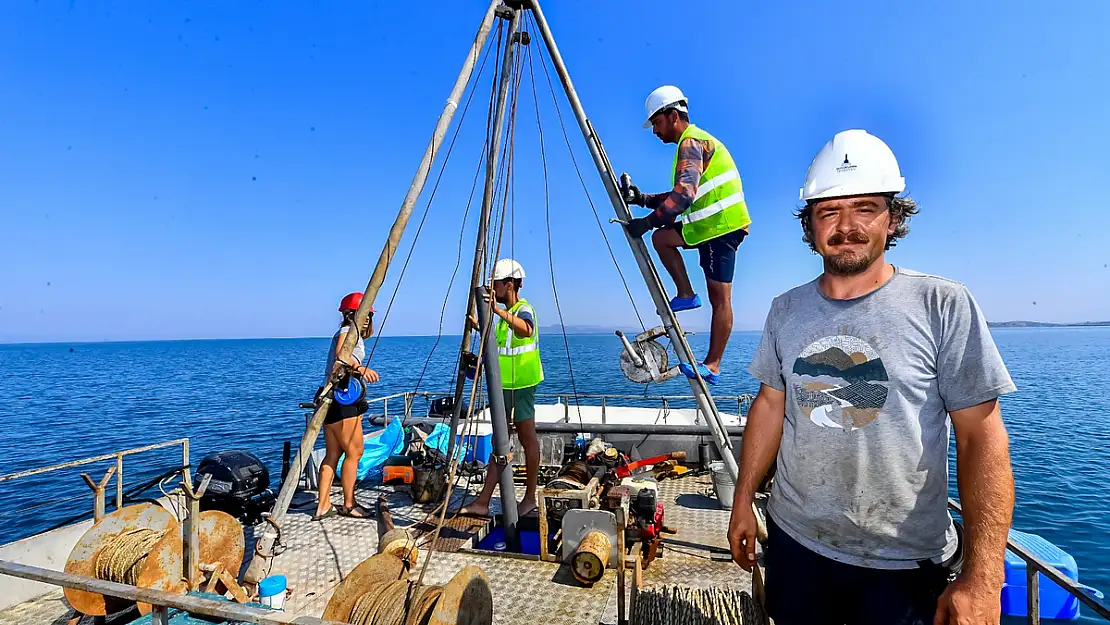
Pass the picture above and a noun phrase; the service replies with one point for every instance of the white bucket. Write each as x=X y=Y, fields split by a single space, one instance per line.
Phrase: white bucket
x=271 y=592
x=722 y=484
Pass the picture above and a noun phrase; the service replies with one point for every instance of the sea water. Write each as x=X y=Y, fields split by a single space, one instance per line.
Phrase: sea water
x=60 y=402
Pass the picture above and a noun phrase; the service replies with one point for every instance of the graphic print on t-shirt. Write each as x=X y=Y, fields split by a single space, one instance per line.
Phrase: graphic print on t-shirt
x=840 y=382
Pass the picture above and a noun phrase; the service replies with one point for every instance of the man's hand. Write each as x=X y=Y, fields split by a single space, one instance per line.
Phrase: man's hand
x=741 y=534
x=637 y=227
x=968 y=602
x=632 y=195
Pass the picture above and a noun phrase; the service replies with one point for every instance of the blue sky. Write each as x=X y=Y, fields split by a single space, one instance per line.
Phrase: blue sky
x=214 y=169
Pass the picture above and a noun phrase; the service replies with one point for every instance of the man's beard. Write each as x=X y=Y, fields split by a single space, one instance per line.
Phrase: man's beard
x=849 y=262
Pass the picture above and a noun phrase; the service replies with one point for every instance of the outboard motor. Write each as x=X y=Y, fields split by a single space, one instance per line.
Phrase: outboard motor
x=240 y=485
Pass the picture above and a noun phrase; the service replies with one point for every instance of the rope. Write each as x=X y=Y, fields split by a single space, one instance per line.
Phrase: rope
x=696 y=606
x=382 y=604
x=550 y=250
x=123 y=556
x=471 y=421
x=585 y=189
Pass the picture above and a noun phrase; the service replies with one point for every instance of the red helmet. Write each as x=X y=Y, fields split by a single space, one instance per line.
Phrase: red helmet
x=351 y=302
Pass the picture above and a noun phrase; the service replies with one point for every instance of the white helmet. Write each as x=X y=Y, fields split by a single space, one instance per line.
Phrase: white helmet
x=853 y=163
x=507 y=268
x=664 y=97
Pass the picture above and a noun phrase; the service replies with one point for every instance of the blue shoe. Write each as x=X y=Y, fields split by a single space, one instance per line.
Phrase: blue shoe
x=706 y=374
x=680 y=304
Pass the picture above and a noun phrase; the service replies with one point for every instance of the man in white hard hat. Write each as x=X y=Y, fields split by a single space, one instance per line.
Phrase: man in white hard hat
x=704 y=211
x=863 y=372
x=518 y=350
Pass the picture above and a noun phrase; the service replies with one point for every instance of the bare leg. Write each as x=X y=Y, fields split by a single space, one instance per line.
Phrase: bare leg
x=480 y=506
x=668 y=244
x=332 y=451
x=720 y=297
x=526 y=432
x=351 y=438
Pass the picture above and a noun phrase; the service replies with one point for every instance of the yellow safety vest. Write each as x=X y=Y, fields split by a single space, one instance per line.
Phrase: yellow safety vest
x=719 y=207
x=519 y=357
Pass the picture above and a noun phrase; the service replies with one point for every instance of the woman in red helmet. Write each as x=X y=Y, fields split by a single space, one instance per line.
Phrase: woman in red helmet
x=343 y=423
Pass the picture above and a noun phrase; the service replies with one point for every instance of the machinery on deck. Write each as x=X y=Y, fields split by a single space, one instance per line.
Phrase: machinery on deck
x=603 y=492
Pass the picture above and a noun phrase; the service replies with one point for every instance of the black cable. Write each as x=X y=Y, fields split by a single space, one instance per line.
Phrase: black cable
x=550 y=250
x=462 y=230
x=581 y=179
x=427 y=207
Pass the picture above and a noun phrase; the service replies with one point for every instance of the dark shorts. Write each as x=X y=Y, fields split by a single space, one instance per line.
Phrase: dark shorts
x=520 y=403
x=338 y=412
x=804 y=588
x=718 y=256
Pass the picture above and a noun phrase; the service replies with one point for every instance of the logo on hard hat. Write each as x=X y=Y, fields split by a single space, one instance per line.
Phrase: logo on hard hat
x=847 y=166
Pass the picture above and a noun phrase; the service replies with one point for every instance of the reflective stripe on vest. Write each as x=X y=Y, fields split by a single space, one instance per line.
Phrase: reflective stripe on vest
x=516 y=351
x=519 y=358
x=719 y=207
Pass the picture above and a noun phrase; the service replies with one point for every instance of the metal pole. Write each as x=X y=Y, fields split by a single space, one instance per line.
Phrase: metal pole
x=500 y=424
x=639 y=248
x=185 y=462
x=119 y=481
x=492 y=159
x=260 y=566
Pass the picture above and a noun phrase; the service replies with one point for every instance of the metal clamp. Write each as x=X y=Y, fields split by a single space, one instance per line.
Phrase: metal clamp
x=644 y=360
x=191 y=533
x=98 y=492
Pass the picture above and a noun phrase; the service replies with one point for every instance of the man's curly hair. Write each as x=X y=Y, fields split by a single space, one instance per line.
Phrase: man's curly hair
x=901 y=209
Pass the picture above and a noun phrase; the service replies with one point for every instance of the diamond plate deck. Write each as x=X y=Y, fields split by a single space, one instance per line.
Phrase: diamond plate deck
x=524 y=591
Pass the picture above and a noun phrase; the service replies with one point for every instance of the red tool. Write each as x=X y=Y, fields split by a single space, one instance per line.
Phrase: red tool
x=626 y=470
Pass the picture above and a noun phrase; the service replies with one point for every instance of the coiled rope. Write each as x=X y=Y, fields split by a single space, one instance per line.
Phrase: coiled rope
x=123 y=556
x=385 y=604
x=696 y=606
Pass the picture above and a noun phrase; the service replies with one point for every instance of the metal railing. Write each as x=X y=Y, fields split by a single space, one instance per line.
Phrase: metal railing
x=160 y=600
x=98 y=488
x=666 y=402
x=1035 y=565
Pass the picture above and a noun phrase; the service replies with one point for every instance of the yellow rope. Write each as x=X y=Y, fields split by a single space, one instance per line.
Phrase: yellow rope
x=384 y=603
x=123 y=556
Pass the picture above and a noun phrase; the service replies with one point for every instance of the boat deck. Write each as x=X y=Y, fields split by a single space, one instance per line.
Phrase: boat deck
x=318 y=554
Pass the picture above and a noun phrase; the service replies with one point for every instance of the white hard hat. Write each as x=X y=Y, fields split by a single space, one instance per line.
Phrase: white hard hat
x=664 y=97
x=853 y=163
x=507 y=268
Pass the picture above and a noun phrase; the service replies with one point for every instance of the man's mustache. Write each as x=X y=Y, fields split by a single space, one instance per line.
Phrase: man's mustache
x=852 y=237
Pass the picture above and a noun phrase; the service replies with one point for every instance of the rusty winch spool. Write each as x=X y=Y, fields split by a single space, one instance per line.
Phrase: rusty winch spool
x=141 y=546
x=379 y=591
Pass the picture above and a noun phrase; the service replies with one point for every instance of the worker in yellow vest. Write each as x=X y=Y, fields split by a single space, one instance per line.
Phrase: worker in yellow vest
x=518 y=350
x=704 y=211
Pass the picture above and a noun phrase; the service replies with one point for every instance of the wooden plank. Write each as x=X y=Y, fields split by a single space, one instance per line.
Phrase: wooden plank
x=621 y=523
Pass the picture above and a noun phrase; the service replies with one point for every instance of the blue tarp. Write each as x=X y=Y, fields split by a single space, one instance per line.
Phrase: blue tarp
x=440 y=437
x=378 y=449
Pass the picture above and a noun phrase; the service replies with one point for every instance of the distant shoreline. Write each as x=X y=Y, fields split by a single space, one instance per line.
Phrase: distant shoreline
x=1043 y=324
x=549 y=330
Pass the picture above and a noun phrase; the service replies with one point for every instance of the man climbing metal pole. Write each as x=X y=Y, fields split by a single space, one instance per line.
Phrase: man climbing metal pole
x=705 y=211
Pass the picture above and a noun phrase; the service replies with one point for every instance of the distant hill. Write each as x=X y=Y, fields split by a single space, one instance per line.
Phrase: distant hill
x=556 y=329
x=1042 y=324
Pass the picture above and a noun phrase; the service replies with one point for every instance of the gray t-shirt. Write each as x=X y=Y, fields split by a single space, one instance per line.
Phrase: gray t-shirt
x=862 y=471
x=358 y=353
